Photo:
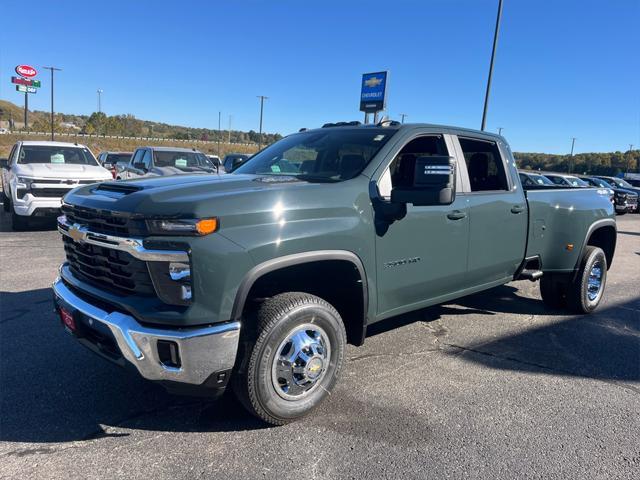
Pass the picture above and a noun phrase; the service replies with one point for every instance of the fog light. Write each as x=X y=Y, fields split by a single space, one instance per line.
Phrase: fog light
x=179 y=271
x=185 y=292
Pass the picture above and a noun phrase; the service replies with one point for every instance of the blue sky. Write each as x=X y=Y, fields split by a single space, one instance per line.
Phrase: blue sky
x=564 y=68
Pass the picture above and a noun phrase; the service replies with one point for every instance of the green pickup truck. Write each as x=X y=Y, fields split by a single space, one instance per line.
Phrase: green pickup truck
x=257 y=280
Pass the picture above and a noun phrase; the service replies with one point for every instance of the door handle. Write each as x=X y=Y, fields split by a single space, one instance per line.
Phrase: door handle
x=456 y=215
x=517 y=209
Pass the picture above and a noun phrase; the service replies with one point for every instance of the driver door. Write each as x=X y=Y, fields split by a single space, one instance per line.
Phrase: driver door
x=421 y=258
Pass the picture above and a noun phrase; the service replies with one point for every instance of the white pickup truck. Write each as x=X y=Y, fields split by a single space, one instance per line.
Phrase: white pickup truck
x=38 y=174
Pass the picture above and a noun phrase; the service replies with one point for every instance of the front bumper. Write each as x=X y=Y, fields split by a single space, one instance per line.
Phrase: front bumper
x=29 y=205
x=203 y=352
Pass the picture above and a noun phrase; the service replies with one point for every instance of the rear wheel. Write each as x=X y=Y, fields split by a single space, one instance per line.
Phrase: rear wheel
x=587 y=289
x=295 y=360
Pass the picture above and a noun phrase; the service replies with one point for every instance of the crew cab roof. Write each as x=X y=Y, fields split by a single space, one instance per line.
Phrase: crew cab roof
x=172 y=149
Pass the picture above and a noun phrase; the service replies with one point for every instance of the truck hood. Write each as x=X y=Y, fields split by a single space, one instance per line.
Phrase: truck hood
x=61 y=170
x=200 y=196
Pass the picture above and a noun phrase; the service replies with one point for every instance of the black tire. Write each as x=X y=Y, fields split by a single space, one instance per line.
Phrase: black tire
x=581 y=296
x=277 y=319
x=18 y=222
x=553 y=289
x=6 y=202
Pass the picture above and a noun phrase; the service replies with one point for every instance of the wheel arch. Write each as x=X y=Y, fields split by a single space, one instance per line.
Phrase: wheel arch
x=355 y=323
x=603 y=234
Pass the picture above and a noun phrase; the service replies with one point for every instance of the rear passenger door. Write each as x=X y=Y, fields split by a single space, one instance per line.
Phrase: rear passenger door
x=497 y=211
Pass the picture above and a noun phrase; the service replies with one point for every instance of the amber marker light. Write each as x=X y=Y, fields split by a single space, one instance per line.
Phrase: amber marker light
x=206 y=226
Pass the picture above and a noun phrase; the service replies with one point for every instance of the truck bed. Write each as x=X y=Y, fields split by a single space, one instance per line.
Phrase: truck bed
x=558 y=220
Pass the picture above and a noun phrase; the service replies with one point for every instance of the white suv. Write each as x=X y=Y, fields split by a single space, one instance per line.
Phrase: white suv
x=37 y=175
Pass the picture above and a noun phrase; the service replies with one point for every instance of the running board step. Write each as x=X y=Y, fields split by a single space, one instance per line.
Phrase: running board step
x=532 y=275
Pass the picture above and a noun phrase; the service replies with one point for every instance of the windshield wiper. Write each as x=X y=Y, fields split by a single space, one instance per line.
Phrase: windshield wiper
x=316 y=178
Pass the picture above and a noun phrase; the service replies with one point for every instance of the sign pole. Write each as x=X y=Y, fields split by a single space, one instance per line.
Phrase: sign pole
x=26 y=111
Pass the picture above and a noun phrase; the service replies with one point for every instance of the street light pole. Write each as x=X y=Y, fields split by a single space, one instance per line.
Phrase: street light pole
x=262 y=99
x=99 y=91
x=402 y=117
x=219 y=131
x=573 y=144
x=52 y=69
x=493 y=56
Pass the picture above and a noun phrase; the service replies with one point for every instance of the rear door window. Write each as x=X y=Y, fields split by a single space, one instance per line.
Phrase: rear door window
x=484 y=165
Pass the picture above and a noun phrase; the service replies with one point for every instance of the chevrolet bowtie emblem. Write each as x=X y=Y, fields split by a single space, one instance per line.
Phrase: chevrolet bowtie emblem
x=76 y=234
x=373 y=82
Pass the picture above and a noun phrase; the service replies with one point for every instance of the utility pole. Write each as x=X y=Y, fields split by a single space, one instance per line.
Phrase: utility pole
x=99 y=92
x=500 y=130
x=52 y=69
x=630 y=158
x=219 y=131
x=493 y=56
x=573 y=144
x=402 y=117
x=262 y=99
x=229 y=141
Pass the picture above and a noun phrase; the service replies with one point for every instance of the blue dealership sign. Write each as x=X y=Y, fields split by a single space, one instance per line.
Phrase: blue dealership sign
x=373 y=93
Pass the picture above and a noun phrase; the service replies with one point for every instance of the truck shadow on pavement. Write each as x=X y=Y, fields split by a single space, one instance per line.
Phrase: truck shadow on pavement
x=37 y=224
x=53 y=390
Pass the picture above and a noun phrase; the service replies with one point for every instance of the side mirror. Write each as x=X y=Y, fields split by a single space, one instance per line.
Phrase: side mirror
x=4 y=163
x=140 y=166
x=434 y=183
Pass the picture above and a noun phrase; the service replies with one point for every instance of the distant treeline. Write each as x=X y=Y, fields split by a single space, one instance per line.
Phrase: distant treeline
x=594 y=163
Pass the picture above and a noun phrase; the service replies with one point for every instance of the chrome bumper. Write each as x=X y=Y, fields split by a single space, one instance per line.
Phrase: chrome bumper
x=202 y=351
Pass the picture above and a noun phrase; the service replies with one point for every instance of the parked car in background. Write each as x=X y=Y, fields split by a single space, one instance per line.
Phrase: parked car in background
x=215 y=159
x=114 y=161
x=234 y=160
x=4 y=131
x=165 y=161
x=565 y=180
x=624 y=200
x=632 y=179
x=38 y=174
x=531 y=179
x=623 y=184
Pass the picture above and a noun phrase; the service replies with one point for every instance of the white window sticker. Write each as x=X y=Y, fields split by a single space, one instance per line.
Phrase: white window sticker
x=181 y=162
x=57 y=158
x=275 y=168
x=377 y=138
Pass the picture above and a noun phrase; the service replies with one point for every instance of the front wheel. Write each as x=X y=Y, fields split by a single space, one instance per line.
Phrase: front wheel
x=295 y=360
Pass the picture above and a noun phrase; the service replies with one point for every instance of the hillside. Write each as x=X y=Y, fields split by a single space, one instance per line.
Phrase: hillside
x=121 y=125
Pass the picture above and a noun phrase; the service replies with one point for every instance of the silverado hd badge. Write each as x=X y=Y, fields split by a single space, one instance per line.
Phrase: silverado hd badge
x=404 y=261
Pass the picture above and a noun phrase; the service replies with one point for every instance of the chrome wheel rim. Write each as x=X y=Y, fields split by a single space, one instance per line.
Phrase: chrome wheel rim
x=594 y=285
x=301 y=362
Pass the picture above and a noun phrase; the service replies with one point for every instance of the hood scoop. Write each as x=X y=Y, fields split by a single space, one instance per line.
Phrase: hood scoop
x=120 y=189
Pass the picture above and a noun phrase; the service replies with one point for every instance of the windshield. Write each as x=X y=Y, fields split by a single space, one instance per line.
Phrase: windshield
x=542 y=180
x=576 y=182
x=621 y=183
x=600 y=183
x=181 y=160
x=56 y=155
x=332 y=154
x=121 y=158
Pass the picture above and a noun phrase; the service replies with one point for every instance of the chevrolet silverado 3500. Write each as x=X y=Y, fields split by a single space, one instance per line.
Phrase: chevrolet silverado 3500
x=258 y=279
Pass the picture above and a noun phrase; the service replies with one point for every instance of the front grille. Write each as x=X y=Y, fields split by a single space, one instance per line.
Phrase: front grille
x=104 y=221
x=103 y=267
x=49 y=192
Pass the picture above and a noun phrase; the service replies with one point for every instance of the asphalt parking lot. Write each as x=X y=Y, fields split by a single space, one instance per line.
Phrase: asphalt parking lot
x=491 y=386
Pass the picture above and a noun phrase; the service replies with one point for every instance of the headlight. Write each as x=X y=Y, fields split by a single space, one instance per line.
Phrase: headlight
x=26 y=181
x=202 y=226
